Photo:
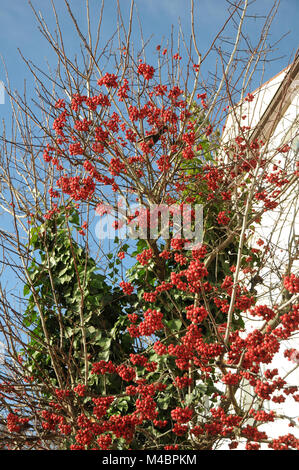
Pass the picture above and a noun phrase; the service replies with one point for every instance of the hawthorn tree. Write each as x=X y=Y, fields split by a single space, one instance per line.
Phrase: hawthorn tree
x=143 y=343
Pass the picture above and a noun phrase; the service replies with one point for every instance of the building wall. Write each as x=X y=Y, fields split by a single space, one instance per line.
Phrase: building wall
x=279 y=227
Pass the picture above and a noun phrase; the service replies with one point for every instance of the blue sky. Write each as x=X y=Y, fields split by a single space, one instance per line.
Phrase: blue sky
x=18 y=28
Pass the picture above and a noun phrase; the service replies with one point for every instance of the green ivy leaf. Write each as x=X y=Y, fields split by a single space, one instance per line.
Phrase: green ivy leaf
x=174 y=324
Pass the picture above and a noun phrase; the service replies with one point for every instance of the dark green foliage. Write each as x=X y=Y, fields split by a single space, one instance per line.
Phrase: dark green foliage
x=66 y=283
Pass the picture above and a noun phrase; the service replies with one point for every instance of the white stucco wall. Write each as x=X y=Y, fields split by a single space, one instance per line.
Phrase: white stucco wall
x=279 y=226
